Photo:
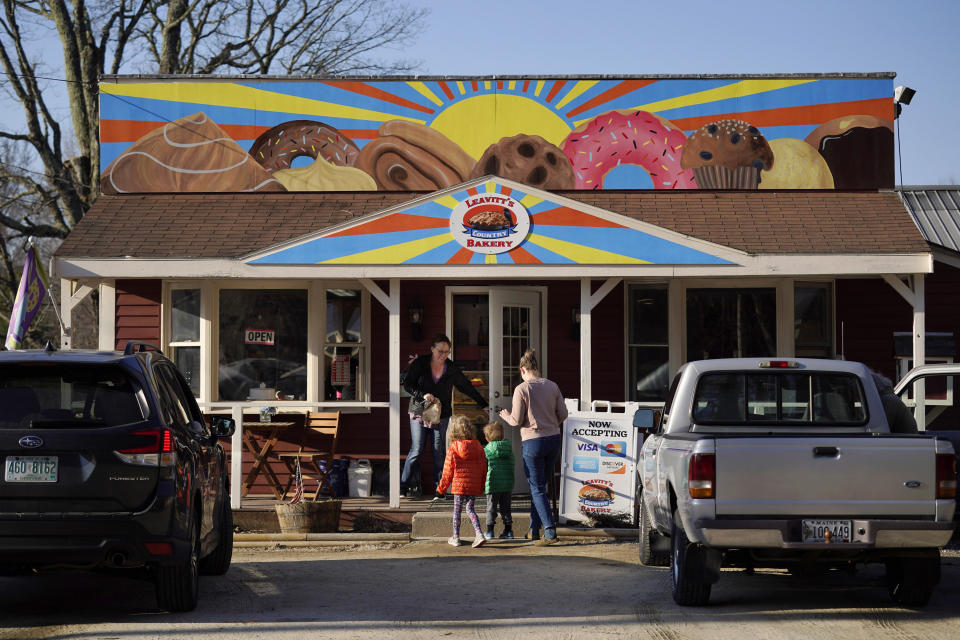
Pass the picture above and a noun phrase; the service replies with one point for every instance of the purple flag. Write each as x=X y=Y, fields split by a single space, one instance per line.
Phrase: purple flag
x=32 y=290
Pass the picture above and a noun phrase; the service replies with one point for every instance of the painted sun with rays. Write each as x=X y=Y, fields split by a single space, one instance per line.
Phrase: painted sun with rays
x=453 y=122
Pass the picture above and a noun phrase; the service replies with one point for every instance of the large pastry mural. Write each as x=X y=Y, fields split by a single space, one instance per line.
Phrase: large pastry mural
x=554 y=134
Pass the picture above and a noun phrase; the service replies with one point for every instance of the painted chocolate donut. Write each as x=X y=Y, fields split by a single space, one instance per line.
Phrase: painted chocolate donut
x=278 y=147
x=628 y=137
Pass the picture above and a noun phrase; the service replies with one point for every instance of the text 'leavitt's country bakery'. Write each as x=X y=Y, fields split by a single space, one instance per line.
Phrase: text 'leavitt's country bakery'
x=489 y=223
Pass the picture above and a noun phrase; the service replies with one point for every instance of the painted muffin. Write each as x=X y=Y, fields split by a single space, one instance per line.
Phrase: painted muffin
x=727 y=154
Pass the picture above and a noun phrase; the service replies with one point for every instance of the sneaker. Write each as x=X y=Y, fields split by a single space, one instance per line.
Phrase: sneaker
x=454 y=542
x=543 y=542
x=479 y=541
x=506 y=535
x=489 y=535
x=532 y=535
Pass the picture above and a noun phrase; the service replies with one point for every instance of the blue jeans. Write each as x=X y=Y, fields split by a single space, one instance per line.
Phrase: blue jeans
x=539 y=458
x=419 y=435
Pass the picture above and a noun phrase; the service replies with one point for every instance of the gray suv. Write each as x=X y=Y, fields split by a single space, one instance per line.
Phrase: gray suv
x=108 y=462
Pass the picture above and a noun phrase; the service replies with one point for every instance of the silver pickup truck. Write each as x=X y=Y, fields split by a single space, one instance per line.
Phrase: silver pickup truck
x=789 y=463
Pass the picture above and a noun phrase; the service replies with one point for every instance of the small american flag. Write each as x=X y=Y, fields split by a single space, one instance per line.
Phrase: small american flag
x=298 y=481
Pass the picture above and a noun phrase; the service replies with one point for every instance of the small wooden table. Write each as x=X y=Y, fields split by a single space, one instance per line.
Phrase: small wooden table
x=260 y=463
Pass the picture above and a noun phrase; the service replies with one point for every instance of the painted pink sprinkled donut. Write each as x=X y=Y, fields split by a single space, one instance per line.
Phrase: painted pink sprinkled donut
x=628 y=137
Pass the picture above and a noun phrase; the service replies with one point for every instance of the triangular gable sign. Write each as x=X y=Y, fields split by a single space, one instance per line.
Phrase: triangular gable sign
x=496 y=221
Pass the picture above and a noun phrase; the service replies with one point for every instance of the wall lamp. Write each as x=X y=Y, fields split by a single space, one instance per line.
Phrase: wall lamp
x=575 y=323
x=901 y=95
x=415 y=315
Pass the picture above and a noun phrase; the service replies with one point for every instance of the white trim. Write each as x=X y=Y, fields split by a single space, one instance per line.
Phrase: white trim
x=586 y=346
x=799 y=265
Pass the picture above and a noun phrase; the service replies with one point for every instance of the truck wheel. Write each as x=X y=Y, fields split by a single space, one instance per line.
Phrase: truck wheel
x=911 y=580
x=651 y=542
x=217 y=563
x=178 y=586
x=689 y=585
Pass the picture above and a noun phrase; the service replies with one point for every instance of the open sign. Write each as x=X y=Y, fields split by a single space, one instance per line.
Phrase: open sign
x=259 y=336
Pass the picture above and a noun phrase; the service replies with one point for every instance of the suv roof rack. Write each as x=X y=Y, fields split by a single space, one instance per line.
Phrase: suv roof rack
x=138 y=346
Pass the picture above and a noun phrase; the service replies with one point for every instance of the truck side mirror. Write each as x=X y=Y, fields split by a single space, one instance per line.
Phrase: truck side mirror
x=644 y=419
x=222 y=427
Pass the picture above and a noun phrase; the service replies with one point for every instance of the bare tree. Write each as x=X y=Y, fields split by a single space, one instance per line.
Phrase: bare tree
x=52 y=178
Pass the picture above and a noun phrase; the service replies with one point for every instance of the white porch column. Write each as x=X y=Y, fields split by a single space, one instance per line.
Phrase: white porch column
x=587 y=304
x=392 y=304
x=913 y=292
x=107 y=334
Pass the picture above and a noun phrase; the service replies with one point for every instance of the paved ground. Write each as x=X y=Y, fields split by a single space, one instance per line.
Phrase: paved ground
x=429 y=589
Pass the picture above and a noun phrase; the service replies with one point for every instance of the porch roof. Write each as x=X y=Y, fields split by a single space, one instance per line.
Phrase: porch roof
x=233 y=225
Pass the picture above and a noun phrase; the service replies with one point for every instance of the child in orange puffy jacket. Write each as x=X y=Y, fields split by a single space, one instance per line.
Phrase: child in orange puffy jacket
x=465 y=468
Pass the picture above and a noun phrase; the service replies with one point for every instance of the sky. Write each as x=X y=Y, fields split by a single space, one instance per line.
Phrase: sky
x=916 y=39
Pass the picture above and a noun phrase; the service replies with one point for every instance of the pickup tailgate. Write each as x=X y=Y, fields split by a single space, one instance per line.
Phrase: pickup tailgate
x=863 y=476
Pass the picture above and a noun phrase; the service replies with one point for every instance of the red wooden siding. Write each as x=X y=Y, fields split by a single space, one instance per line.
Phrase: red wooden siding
x=138 y=311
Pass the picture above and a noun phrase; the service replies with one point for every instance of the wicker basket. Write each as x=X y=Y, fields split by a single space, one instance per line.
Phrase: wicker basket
x=322 y=516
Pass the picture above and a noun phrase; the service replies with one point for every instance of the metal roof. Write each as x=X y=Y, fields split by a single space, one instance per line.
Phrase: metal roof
x=936 y=210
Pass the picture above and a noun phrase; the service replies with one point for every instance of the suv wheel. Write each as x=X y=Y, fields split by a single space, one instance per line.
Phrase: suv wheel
x=217 y=563
x=178 y=586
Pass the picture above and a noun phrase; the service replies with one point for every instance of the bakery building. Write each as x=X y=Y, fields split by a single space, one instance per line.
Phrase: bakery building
x=298 y=239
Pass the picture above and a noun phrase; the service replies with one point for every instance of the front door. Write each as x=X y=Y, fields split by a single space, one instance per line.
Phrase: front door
x=491 y=328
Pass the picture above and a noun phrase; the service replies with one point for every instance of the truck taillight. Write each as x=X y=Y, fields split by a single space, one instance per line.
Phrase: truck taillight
x=946 y=475
x=702 y=475
x=158 y=449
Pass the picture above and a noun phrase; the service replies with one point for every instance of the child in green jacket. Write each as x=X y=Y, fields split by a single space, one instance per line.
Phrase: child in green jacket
x=499 y=487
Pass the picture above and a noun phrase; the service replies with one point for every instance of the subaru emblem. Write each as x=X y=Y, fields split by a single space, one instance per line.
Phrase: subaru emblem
x=912 y=484
x=31 y=442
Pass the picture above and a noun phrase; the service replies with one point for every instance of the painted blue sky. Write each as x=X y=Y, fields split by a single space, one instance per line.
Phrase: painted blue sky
x=917 y=40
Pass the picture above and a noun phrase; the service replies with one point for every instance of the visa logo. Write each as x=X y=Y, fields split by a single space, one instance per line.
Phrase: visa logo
x=586 y=446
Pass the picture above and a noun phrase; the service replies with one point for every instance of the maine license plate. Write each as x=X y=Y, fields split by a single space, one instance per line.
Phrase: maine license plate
x=826 y=531
x=31 y=469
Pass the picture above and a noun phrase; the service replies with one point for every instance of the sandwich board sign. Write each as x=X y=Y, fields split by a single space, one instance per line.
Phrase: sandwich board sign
x=598 y=466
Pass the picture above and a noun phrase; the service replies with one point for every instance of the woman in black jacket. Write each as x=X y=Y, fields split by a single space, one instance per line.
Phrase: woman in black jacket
x=433 y=375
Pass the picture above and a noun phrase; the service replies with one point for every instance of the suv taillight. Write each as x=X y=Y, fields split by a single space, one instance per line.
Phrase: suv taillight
x=157 y=451
x=702 y=475
x=946 y=475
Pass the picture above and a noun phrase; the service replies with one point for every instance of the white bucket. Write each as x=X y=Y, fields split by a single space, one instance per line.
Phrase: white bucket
x=359 y=478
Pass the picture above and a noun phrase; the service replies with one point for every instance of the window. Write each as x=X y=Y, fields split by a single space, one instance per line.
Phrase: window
x=343 y=347
x=779 y=398
x=263 y=343
x=731 y=323
x=647 y=346
x=185 y=335
x=812 y=320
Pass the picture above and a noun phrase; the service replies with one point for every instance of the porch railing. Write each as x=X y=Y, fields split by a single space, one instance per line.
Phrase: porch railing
x=236 y=410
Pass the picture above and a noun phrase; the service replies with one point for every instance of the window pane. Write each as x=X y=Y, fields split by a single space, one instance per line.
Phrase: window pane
x=342 y=371
x=648 y=315
x=731 y=323
x=187 y=360
x=795 y=397
x=185 y=316
x=719 y=398
x=761 y=397
x=281 y=318
x=648 y=353
x=344 y=321
x=649 y=373
x=812 y=321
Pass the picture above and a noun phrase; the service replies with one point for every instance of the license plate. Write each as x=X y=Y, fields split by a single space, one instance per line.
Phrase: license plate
x=31 y=469
x=826 y=531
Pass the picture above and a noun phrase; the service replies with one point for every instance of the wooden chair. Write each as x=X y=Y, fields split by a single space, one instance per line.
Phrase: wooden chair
x=318 y=446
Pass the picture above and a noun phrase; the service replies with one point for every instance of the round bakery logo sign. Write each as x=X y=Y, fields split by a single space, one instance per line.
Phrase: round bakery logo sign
x=489 y=223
